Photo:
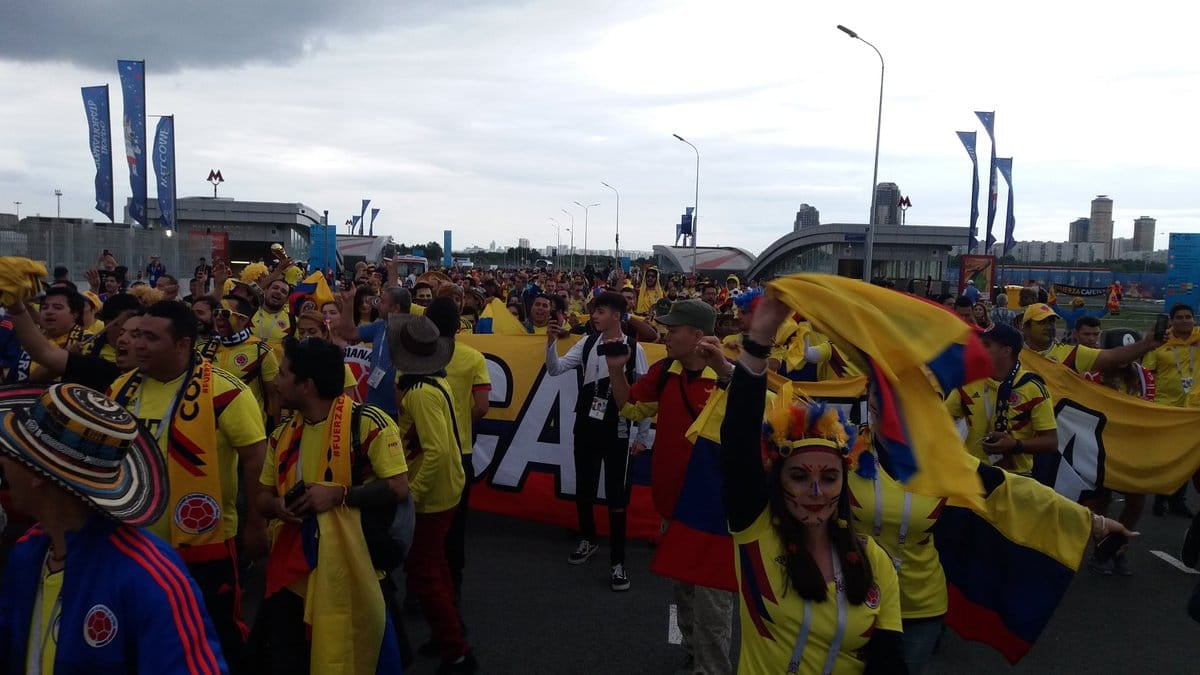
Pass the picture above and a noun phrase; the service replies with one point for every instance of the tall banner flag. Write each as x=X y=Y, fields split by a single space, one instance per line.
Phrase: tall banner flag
x=968 y=141
x=164 y=170
x=988 y=119
x=374 y=215
x=362 y=216
x=354 y=221
x=446 y=248
x=95 y=105
x=1004 y=164
x=133 y=89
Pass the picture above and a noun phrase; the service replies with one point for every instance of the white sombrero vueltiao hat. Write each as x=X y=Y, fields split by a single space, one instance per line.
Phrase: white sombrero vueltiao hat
x=87 y=444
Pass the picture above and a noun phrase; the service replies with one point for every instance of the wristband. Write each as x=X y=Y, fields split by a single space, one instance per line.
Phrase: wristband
x=759 y=351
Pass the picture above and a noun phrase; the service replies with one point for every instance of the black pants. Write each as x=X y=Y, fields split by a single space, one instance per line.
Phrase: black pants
x=591 y=449
x=456 y=538
x=279 y=643
x=221 y=588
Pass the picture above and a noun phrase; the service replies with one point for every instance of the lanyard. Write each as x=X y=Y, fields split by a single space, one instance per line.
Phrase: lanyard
x=1191 y=360
x=265 y=334
x=169 y=414
x=835 y=644
x=40 y=637
x=906 y=512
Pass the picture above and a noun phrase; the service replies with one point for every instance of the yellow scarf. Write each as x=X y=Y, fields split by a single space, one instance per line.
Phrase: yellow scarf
x=336 y=464
x=648 y=296
x=193 y=471
x=342 y=602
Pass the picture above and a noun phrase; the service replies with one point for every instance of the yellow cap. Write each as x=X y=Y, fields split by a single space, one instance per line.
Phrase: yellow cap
x=1038 y=312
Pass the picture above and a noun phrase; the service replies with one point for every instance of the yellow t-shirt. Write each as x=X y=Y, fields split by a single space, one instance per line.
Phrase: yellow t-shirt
x=922 y=580
x=466 y=373
x=45 y=630
x=772 y=617
x=436 y=476
x=1030 y=410
x=376 y=432
x=239 y=424
x=246 y=361
x=272 y=327
x=1079 y=358
x=1171 y=363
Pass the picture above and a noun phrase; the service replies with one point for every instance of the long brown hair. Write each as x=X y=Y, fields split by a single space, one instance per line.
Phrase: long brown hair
x=803 y=572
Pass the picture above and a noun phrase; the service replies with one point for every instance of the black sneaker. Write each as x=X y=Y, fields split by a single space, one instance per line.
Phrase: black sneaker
x=467 y=665
x=620 y=581
x=1190 y=552
x=585 y=550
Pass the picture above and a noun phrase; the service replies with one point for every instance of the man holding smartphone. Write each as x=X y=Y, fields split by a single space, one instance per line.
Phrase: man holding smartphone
x=601 y=434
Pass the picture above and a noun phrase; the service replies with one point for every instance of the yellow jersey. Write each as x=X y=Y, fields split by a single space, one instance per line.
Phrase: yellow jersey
x=466 y=373
x=1175 y=369
x=1030 y=410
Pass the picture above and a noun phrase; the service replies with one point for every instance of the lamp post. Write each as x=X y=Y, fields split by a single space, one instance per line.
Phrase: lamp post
x=617 y=240
x=558 y=242
x=585 y=208
x=695 y=203
x=58 y=199
x=870 y=244
x=18 y=205
x=572 y=230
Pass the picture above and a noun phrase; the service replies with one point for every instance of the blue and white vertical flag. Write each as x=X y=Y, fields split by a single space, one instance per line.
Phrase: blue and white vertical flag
x=133 y=88
x=968 y=141
x=1004 y=164
x=354 y=221
x=362 y=216
x=988 y=120
x=374 y=215
x=164 y=170
x=95 y=106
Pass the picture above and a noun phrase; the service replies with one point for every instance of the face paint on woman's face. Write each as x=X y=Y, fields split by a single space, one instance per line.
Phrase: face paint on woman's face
x=812 y=484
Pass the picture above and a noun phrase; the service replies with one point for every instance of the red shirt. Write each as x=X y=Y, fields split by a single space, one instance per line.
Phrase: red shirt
x=680 y=401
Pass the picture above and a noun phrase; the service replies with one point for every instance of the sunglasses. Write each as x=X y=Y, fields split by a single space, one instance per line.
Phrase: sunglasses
x=225 y=313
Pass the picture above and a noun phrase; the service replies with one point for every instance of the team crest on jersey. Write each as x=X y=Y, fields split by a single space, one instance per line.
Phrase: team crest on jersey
x=241 y=360
x=197 y=513
x=1014 y=399
x=872 y=599
x=99 y=626
x=281 y=324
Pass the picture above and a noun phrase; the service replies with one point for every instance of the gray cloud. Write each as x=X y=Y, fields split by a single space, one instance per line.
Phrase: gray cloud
x=177 y=35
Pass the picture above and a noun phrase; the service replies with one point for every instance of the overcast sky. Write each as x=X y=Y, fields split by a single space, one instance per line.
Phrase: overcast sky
x=488 y=116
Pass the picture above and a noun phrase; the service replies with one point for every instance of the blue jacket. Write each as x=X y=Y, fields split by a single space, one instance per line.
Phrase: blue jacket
x=128 y=605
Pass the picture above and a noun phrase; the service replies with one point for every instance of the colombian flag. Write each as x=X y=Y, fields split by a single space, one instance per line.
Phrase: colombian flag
x=315 y=287
x=697 y=548
x=1009 y=564
x=911 y=350
x=496 y=319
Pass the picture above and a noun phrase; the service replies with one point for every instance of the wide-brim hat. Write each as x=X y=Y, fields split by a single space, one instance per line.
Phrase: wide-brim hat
x=416 y=345
x=439 y=277
x=88 y=445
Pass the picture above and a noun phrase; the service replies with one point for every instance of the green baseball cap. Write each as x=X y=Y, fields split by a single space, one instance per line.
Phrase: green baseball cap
x=692 y=313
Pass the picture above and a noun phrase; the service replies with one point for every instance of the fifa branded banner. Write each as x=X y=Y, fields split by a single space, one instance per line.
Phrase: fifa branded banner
x=1004 y=164
x=524 y=462
x=133 y=90
x=164 y=170
x=988 y=120
x=95 y=106
x=968 y=141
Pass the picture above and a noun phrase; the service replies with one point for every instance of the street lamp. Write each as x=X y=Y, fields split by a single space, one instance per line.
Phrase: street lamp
x=570 y=229
x=617 y=240
x=585 y=208
x=18 y=205
x=870 y=244
x=695 y=204
x=558 y=243
x=58 y=198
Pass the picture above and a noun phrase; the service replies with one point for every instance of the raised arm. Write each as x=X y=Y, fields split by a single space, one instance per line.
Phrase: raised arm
x=50 y=357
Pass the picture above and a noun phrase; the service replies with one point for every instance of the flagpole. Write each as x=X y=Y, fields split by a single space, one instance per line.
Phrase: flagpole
x=869 y=252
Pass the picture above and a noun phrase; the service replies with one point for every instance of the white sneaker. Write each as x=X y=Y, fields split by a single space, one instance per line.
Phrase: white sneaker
x=582 y=552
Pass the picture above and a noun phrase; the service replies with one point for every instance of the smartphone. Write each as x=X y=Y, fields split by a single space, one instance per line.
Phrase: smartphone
x=612 y=349
x=294 y=494
x=1160 y=327
x=1108 y=547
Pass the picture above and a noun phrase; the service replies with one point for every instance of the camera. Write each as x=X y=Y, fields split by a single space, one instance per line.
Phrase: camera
x=612 y=349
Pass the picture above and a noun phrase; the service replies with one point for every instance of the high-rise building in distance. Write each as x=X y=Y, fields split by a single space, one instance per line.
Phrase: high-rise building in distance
x=1143 y=233
x=522 y=243
x=887 y=204
x=1078 y=230
x=1100 y=229
x=807 y=216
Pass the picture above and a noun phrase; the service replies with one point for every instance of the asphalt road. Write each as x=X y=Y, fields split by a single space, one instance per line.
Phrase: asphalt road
x=530 y=613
